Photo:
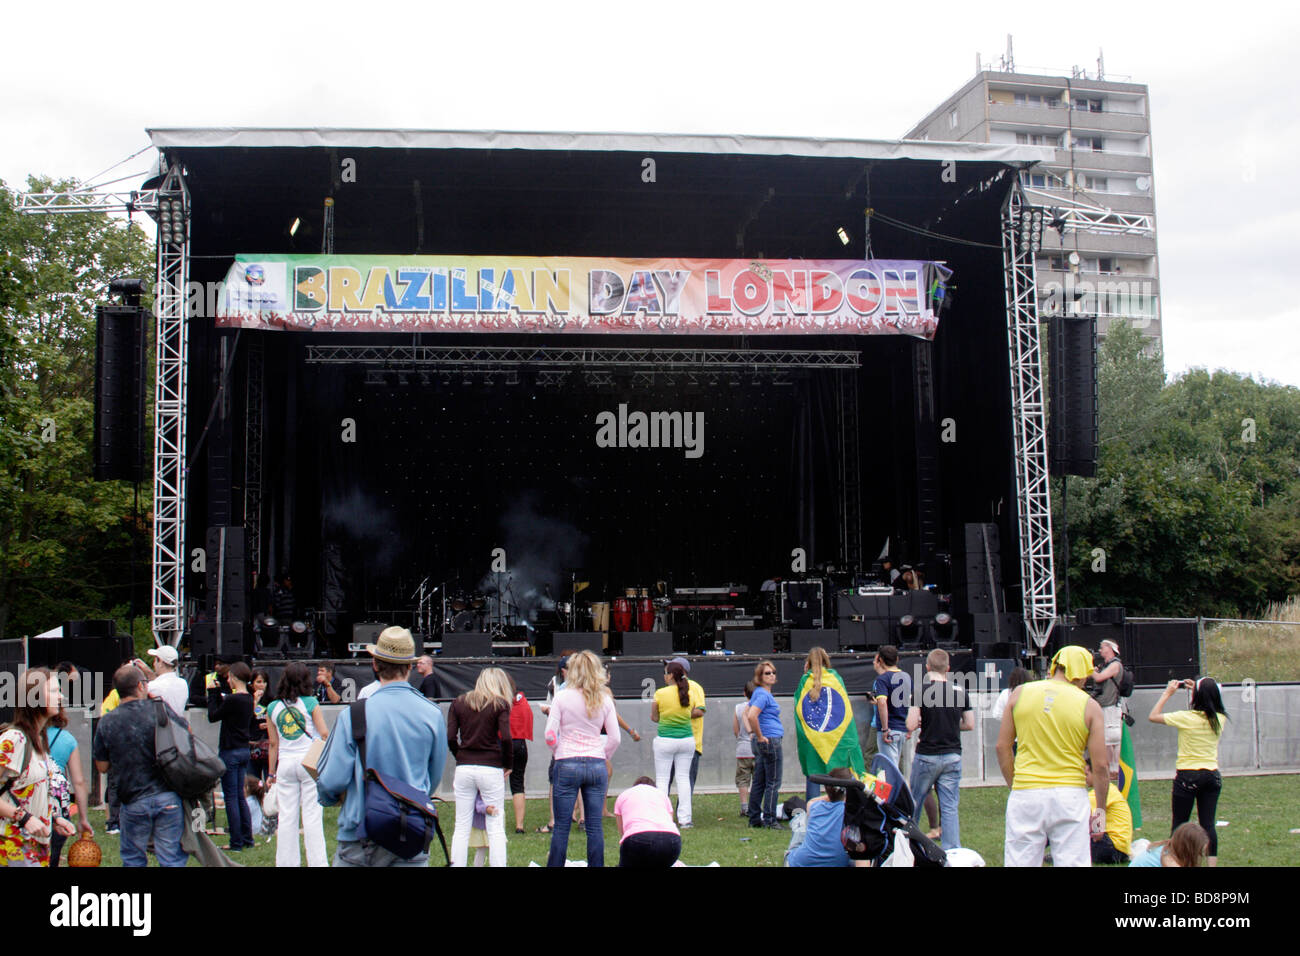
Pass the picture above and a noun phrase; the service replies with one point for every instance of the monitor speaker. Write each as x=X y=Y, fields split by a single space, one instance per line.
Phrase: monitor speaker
x=222 y=640
x=466 y=644
x=648 y=644
x=593 y=641
x=803 y=640
x=749 y=642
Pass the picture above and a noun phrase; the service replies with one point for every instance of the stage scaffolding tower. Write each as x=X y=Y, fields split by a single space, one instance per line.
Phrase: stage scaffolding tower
x=1028 y=421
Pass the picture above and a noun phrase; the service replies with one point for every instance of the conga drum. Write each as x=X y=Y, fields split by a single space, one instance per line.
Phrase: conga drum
x=622 y=614
x=645 y=614
x=600 y=616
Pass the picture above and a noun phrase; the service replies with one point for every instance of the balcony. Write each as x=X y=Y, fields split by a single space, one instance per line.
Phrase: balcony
x=1105 y=160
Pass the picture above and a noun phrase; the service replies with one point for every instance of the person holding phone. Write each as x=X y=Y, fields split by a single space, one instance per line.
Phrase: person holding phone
x=1197 y=781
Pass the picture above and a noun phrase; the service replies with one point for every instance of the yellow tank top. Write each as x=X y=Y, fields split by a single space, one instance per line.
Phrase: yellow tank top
x=1051 y=735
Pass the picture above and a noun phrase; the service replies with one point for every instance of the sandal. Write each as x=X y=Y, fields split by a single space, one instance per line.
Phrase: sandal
x=544 y=829
x=520 y=830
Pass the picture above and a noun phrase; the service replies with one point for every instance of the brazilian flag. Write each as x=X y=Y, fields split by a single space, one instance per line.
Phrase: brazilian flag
x=827 y=735
x=1128 y=778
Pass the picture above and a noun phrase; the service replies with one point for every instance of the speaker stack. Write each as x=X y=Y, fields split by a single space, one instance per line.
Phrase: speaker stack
x=120 y=337
x=227 y=579
x=978 y=597
x=1072 y=396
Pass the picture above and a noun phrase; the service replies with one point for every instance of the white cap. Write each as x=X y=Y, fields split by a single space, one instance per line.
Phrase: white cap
x=167 y=654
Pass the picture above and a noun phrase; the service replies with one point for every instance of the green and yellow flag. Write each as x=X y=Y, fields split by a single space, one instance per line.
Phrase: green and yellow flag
x=1128 y=778
x=827 y=735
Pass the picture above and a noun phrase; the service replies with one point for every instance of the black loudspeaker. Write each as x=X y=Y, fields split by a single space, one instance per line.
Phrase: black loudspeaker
x=977 y=569
x=996 y=629
x=224 y=640
x=466 y=645
x=998 y=651
x=1072 y=396
x=974 y=534
x=89 y=629
x=648 y=644
x=367 y=632
x=593 y=641
x=1160 y=651
x=227 y=572
x=749 y=642
x=803 y=640
x=120 y=350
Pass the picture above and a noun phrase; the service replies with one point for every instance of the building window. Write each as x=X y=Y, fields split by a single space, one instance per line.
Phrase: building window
x=1097 y=184
x=1089 y=105
x=952 y=120
x=1038 y=139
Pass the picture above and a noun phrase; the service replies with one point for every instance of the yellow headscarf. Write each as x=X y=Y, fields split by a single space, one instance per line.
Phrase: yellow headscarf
x=1075 y=661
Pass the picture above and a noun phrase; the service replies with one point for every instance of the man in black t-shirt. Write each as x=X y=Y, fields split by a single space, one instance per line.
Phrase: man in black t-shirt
x=941 y=711
x=426 y=683
x=124 y=741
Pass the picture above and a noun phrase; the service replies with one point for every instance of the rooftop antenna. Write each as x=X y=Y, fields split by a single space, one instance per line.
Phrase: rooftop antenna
x=1011 y=59
x=1101 y=64
x=978 y=67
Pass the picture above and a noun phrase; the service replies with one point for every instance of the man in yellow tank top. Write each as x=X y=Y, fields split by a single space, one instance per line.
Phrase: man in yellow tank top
x=1051 y=723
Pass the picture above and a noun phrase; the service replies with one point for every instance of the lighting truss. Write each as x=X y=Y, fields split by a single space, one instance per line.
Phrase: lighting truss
x=706 y=361
x=1084 y=216
x=1029 y=424
x=169 y=416
x=91 y=200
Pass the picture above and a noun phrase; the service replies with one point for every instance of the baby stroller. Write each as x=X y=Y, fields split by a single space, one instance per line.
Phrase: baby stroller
x=871 y=821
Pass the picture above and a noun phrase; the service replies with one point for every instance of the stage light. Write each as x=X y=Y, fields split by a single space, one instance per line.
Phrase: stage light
x=844 y=236
x=945 y=628
x=293 y=229
x=299 y=627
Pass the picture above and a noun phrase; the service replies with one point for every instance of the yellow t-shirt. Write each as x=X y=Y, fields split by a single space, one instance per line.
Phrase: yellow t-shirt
x=1198 y=743
x=674 y=719
x=1119 y=818
x=1051 y=735
x=697 y=723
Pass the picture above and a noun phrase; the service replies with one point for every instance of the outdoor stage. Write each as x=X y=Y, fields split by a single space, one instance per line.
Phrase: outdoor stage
x=426 y=404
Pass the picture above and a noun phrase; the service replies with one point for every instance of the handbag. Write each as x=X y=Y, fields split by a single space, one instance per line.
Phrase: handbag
x=188 y=765
x=398 y=817
x=270 y=803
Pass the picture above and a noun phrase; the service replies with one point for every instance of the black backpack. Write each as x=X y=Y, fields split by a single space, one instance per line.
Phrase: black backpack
x=1126 y=682
x=187 y=764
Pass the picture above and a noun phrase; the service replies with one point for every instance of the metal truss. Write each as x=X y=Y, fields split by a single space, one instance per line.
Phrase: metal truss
x=91 y=200
x=705 y=360
x=255 y=358
x=1029 y=424
x=1089 y=217
x=170 y=395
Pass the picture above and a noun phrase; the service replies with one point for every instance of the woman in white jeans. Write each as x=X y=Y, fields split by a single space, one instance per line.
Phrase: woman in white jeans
x=293 y=721
x=478 y=736
x=675 y=704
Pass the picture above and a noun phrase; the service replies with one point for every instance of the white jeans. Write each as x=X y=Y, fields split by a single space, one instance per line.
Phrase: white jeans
x=468 y=783
x=294 y=788
x=674 y=754
x=1058 y=814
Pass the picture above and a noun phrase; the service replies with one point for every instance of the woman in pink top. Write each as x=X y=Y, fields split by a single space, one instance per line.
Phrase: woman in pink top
x=573 y=727
x=647 y=837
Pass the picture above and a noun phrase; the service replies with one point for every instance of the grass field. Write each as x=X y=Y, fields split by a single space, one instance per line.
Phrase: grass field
x=1259 y=811
x=1261 y=652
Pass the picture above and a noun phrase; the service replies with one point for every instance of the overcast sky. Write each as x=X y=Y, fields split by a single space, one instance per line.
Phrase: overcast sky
x=80 y=83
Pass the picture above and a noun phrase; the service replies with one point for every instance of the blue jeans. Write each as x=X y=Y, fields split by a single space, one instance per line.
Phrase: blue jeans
x=158 y=818
x=767 y=782
x=943 y=772
x=588 y=775
x=893 y=750
x=238 y=820
x=352 y=853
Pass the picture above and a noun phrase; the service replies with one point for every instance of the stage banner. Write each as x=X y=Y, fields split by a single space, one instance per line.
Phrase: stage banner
x=522 y=294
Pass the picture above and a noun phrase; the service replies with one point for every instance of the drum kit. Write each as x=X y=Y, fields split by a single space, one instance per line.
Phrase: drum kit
x=636 y=610
x=467 y=611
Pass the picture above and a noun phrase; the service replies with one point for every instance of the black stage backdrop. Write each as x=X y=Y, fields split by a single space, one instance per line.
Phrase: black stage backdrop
x=441 y=474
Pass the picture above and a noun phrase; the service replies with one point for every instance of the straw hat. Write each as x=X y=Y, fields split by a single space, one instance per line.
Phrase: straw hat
x=395 y=646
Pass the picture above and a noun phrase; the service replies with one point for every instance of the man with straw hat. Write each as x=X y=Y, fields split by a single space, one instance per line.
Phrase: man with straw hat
x=1050 y=723
x=406 y=739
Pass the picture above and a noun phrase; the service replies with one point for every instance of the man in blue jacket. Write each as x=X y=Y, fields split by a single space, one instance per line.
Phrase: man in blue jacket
x=406 y=739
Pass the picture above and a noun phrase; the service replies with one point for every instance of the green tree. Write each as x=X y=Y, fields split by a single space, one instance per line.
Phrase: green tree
x=64 y=539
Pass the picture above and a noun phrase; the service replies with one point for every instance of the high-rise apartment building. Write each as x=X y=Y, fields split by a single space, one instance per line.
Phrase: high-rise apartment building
x=1100 y=183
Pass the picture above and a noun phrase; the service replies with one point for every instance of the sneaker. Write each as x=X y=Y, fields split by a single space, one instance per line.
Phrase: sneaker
x=686 y=826
x=113 y=830
x=776 y=825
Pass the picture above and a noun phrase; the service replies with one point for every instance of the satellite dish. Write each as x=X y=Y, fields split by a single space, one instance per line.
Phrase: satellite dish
x=1143 y=183
x=1074 y=258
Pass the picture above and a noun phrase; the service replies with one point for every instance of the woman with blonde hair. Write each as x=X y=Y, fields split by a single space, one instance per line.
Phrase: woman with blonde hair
x=573 y=732
x=821 y=706
x=478 y=735
x=1189 y=846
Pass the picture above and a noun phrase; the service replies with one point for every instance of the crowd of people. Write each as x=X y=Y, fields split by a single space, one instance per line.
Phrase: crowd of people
x=1054 y=748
